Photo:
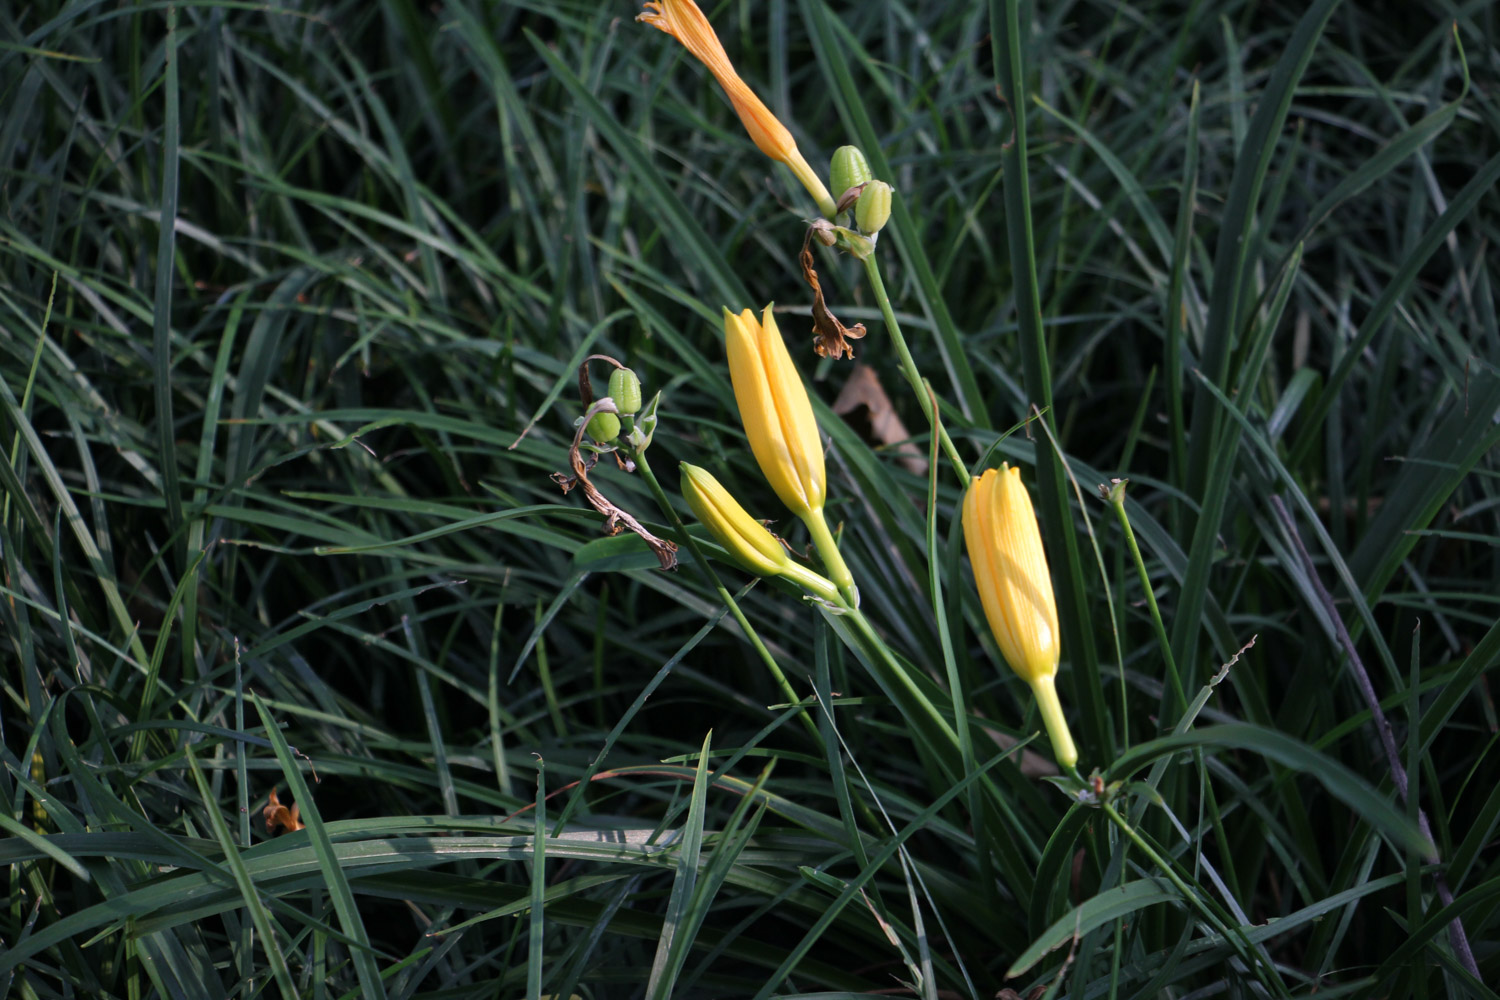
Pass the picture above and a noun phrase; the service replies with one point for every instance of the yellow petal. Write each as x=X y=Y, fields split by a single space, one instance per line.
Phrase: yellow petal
x=776 y=411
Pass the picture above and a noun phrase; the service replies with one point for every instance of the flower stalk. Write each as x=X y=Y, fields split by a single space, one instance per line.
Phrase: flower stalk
x=1115 y=495
x=777 y=674
x=909 y=367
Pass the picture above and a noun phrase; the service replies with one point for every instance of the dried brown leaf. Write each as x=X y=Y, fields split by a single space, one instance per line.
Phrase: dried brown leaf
x=863 y=389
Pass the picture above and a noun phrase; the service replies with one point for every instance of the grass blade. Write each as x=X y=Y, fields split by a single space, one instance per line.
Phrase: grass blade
x=677 y=928
x=328 y=861
x=1054 y=512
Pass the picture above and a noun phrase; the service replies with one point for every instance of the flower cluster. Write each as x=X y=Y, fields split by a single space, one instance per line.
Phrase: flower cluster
x=999 y=524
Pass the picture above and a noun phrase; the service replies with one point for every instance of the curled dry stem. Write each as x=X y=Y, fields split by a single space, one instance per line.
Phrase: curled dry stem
x=615 y=518
x=585 y=387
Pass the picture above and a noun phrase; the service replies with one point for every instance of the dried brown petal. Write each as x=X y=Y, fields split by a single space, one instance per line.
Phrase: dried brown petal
x=831 y=338
x=848 y=198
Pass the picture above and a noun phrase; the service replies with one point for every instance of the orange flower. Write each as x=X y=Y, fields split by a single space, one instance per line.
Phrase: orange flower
x=685 y=22
x=277 y=814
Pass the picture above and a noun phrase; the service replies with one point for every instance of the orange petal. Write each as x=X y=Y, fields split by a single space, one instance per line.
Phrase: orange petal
x=277 y=814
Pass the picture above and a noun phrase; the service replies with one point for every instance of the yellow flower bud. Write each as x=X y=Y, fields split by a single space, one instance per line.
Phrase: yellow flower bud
x=1015 y=588
x=685 y=22
x=745 y=538
x=775 y=410
x=873 y=208
x=783 y=433
x=742 y=535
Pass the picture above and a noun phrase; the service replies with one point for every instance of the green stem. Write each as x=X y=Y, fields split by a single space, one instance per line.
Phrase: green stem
x=1235 y=940
x=644 y=468
x=814 y=184
x=1166 y=869
x=833 y=560
x=818 y=586
x=898 y=672
x=1117 y=500
x=909 y=366
x=1063 y=750
x=923 y=715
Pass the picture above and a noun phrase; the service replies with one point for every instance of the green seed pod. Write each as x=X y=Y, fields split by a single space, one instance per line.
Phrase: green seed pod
x=873 y=208
x=848 y=169
x=625 y=390
x=604 y=427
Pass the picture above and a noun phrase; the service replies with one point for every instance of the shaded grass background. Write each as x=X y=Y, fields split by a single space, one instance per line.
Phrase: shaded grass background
x=267 y=448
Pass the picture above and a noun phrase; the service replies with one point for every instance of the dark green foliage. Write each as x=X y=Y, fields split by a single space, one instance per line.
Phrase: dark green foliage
x=265 y=466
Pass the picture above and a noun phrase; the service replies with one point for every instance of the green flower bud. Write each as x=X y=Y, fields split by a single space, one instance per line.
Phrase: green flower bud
x=848 y=169
x=873 y=208
x=604 y=427
x=625 y=390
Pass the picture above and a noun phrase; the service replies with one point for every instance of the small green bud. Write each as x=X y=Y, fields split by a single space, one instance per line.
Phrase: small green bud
x=604 y=427
x=625 y=390
x=848 y=169
x=873 y=208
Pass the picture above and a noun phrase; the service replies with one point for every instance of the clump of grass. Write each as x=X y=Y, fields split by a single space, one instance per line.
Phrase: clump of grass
x=282 y=289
